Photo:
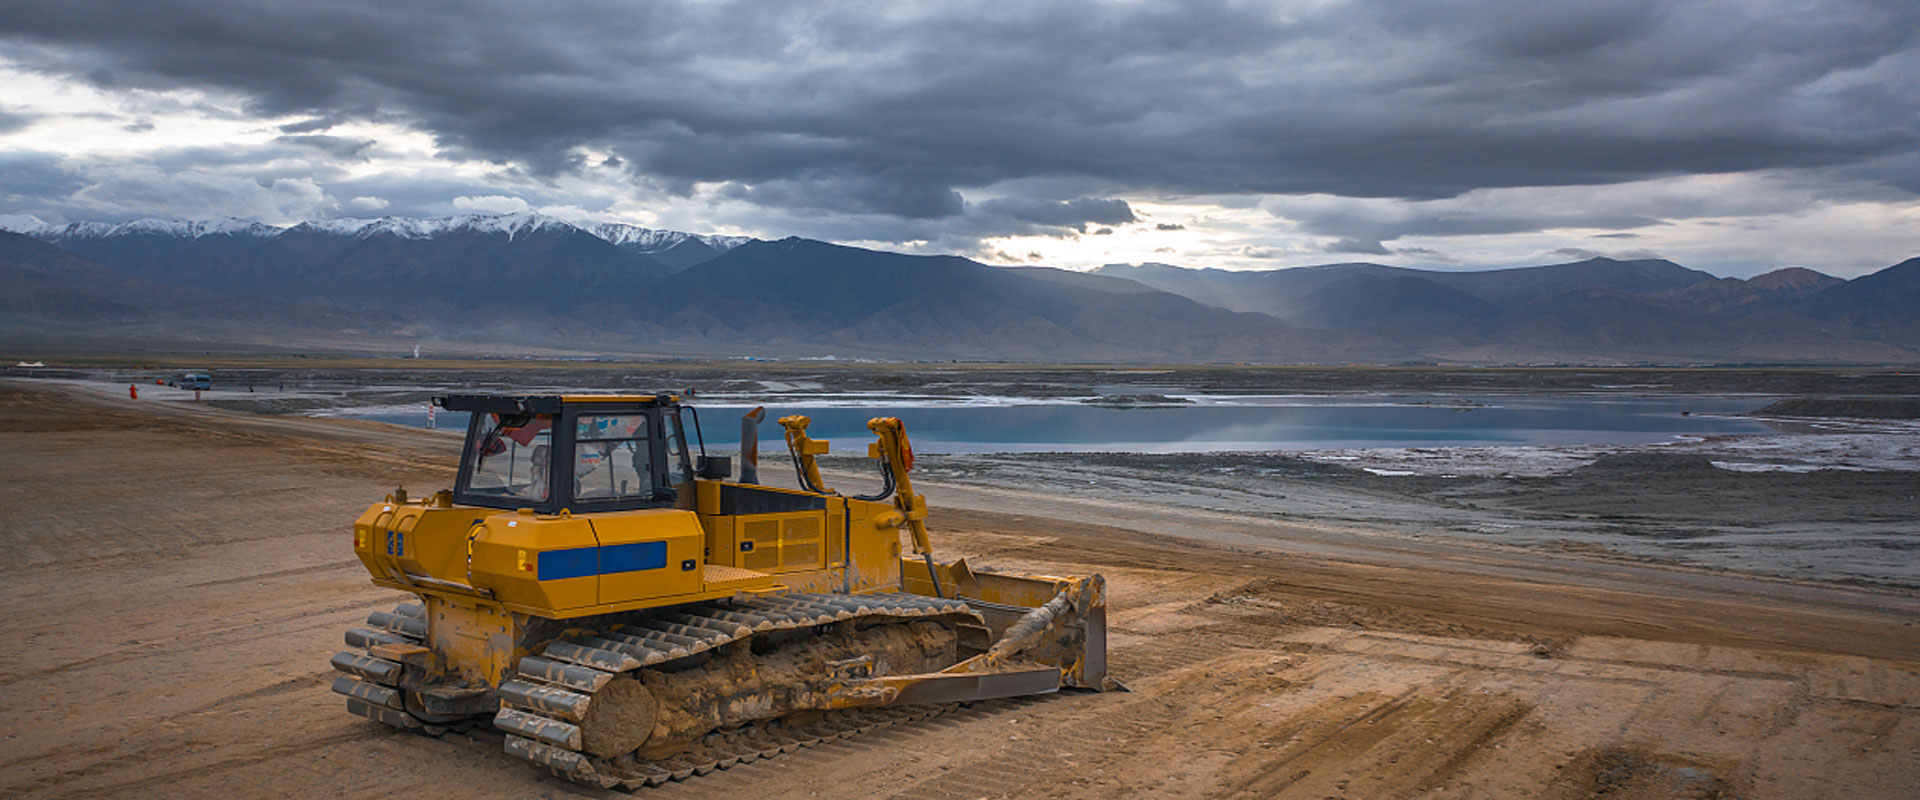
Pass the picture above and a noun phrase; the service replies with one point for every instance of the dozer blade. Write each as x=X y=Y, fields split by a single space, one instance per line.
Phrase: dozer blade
x=1036 y=620
x=964 y=687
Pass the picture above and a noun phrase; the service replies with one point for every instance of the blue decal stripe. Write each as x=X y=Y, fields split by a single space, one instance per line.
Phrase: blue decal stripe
x=632 y=557
x=576 y=563
x=580 y=562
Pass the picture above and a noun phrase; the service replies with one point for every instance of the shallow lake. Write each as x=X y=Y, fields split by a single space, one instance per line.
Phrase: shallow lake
x=1234 y=423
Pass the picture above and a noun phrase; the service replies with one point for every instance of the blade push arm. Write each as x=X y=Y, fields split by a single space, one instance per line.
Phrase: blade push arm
x=896 y=455
x=896 y=461
x=804 y=449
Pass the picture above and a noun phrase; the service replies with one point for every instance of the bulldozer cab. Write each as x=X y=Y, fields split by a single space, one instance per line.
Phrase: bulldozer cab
x=585 y=454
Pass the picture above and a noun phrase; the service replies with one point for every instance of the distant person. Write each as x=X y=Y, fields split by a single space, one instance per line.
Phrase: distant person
x=133 y=391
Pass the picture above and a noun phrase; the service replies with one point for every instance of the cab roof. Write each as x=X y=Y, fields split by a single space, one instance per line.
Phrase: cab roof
x=542 y=403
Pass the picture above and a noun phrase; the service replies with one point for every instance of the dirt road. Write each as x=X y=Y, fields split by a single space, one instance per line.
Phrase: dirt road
x=176 y=579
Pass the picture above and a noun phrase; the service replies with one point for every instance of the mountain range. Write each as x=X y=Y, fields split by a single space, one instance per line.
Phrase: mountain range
x=1587 y=310
x=528 y=281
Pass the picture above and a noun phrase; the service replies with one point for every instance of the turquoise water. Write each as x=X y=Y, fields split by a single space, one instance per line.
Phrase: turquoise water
x=1247 y=423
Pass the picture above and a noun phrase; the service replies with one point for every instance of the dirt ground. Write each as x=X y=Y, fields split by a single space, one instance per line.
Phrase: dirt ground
x=177 y=577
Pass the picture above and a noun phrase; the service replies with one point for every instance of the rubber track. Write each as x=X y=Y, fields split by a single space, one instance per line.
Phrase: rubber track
x=553 y=689
x=372 y=684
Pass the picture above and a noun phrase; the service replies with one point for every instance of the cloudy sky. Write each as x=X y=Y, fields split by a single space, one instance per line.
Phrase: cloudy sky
x=1734 y=136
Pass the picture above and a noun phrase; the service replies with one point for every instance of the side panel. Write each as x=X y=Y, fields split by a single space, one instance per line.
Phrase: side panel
x=539 y=562
x=871 y=537
x=780 y=543
x=648 y=554
x=721 y=547
x=419 y=540
x=835 y=536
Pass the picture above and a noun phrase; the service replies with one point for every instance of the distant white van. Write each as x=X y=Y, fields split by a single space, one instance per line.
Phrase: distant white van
x=196 y=380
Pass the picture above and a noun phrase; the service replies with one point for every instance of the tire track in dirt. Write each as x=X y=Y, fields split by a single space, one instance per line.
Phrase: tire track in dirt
x=332 y=566
x=164 y=778
x=1331 y=725
x=910 y=735
x=198 y=640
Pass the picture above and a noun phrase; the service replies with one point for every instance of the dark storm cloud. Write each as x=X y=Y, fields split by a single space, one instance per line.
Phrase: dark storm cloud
x=1367 y=247
x=410 y=195
x=1580 y=253
x=1363 y=228
x=278 y=159
x=1427 y=254
x=276 y=183
x=311 y=125
x=345 y=148
x=851 y=194
x=11 y=121
x=59 y=189
x=1584 y=254
x=1076 y=213
x=27 y=179
x=839 y=110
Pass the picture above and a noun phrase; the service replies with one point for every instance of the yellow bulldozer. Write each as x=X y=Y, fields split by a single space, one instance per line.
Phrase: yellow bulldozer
x=607 y=595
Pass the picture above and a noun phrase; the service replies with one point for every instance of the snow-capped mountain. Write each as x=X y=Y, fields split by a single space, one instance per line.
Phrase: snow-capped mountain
x=179 y=228
x=358 y=263
x=410 y=228
x=21 y=223
x=654 y=239
x=629 y=237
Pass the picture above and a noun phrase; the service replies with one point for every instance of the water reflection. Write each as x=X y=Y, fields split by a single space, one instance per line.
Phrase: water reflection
x=1292 y=423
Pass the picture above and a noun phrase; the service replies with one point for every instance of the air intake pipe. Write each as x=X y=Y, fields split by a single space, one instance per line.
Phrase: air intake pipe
x=750 y=444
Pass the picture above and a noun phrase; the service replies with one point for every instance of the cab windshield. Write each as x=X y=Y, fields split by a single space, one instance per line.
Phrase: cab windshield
x=512 y=457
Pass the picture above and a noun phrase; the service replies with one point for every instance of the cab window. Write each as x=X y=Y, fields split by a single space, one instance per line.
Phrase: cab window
x=512 y=458
x=679 y=465
x=613 y=458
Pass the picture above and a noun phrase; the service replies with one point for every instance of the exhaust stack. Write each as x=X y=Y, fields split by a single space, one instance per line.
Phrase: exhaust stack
x=750 y=444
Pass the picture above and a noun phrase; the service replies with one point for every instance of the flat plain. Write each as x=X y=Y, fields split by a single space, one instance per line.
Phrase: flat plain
x=177 y=576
